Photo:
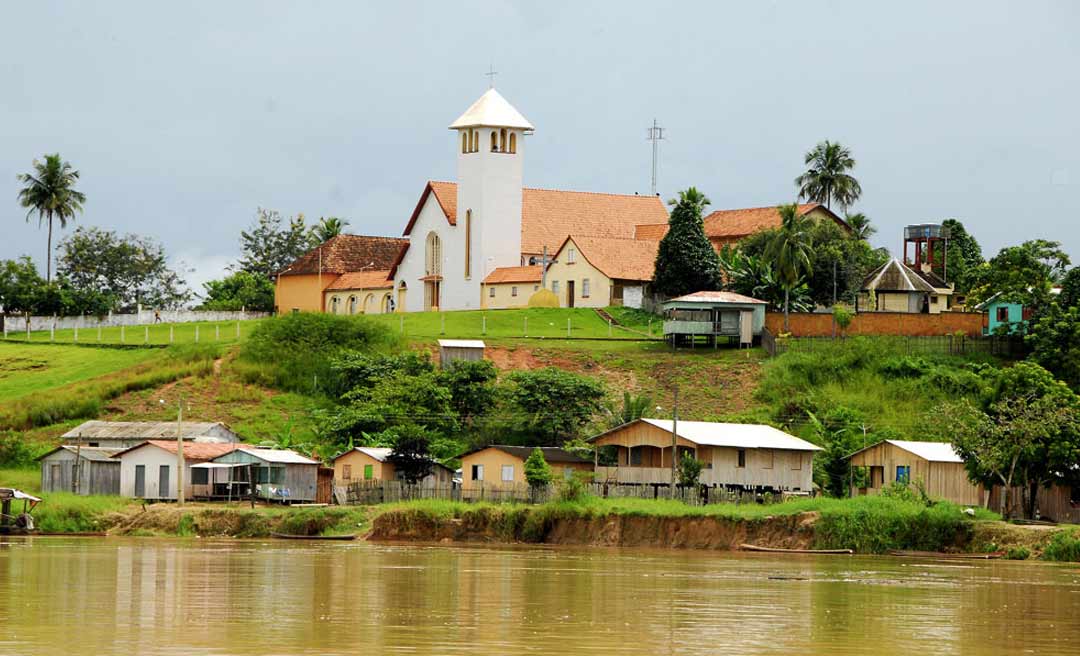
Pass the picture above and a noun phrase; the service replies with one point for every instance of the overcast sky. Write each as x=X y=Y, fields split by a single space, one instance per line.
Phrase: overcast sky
x=185 y=117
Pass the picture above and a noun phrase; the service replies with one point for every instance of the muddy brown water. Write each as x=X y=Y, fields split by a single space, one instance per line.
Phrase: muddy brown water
x=159 y=596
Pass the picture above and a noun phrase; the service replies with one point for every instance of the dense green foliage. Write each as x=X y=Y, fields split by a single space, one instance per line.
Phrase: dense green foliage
x=827 y=178
x=689 y=470
x=50 y=192
x=752 y=274
x=685 y=260
x=789 y=251
x=537 y=470
x=238 y=291
x=1055 y=342
x=326 y=229
x=1023 y=274
x=1064 y=547
x=964 y=257
x=411 y=455
x=549 y=406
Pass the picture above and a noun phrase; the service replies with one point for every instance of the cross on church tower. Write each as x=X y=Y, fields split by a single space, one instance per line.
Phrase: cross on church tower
x=491 y=75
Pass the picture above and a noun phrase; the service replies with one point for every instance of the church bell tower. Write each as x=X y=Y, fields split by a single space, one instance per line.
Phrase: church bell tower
x=491 y=146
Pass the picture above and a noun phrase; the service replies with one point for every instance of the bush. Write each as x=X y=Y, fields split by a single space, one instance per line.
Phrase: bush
x=870 y=525
x=573 y=489
x=689 y=470
x=1018 y=553
x=537 y=470
x=905 y=366
x=15 y=451
x=1063 y=547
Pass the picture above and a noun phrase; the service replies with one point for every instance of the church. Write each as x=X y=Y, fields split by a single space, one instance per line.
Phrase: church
x=479 y=242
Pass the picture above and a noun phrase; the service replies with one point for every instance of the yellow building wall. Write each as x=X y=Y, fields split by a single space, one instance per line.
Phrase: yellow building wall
x=356 y=461
x=560 y=271
x=302 y=293
x=493 y=461
x=368 y=301
x=504 y=298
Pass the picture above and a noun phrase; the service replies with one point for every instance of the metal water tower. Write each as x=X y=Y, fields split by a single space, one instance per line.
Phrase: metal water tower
x=926 y=238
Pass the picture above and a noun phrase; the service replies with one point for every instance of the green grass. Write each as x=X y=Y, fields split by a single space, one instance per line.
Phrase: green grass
x=26 y=479
x=478 y=324
x=64 y=512
x=161 y=334
x=1064 y=547
x=27 y=368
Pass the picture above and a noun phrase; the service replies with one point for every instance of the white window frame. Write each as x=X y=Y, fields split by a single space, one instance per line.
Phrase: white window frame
x=507 y=473
x=571 y=256
x=586 y=288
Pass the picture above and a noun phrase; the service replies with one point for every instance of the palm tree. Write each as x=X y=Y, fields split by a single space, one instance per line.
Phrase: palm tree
x=327 y=229
x=827 y=179
x=860 y=226
x=50 y=191
x=789 y=251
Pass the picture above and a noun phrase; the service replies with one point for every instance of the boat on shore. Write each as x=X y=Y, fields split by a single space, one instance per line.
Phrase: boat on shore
x=286 y=536
x=754 y=547
x=949 y=556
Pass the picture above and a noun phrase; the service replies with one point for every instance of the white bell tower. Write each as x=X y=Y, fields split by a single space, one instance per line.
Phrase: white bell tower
x=491 y=146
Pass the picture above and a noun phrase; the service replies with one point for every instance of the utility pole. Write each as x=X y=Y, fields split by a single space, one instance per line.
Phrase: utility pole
x=180 y=452
x=656 y=135
x=674 y=439
x=77 y=475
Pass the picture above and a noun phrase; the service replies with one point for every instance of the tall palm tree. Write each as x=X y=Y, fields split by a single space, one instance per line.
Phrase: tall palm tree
x=50 y=191
x=789 y=251
x=860 y=225
x=326 y=229
x=827 y=178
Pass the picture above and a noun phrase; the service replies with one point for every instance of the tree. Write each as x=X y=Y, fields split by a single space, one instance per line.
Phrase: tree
x=689 y=470
x=685 y=260
x=50 y=191
x=537 y=470
x=790 y=253
x=827 y=178
x=1055 y=342
x=326 y=229
x=472 y=387
x=549 y=405
x=964 y=256
x=633 y=407
x=754 y=276
x=270 y=244
x=860 y=226
x=20 y=286
x=130 y=270
x=1023 y=274
x=411 y=455
x=239 y=290
x=1070 y=289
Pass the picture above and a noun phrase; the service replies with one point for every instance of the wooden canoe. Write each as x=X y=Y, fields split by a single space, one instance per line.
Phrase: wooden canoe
x=948 y=556
x=286 y=536
x=754 y=547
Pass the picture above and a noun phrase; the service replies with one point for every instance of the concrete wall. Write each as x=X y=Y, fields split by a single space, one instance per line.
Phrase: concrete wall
x=880 y=323
x=501 y=296
x=301 y=292
x=368 y=301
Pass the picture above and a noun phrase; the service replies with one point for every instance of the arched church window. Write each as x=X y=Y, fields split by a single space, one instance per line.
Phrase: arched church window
x=352 y=305
x=468 y=244
x=433 y=257
x=502 y=140
x=513 y=142
x=494 y=141
x=334 y=305
x=475 y=141
x=464 y=142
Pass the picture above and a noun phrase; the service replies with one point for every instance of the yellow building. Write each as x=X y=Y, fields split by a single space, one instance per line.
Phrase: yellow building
x=896 y=287
x=500 y=466
x=303 y=285
x=510 y=287
x=366 y=463
x=365 y=292
x=602 y=271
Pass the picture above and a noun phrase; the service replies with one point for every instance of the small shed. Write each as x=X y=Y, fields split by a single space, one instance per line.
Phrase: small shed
x=713 y=315
x=97 y=471
x=460 y=349
x=280 y=474
x=935 y=464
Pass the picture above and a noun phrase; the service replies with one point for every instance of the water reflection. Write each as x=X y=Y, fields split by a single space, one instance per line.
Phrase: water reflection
x=150 y=596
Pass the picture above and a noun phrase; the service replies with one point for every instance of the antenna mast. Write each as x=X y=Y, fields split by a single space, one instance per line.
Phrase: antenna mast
x=656 y=135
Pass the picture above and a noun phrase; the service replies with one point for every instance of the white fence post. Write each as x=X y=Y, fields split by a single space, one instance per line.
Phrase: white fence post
x=146 y=335
x=196 y=334
x=76 y=333
x=609 y=327
x=237 y=330
x=52 y=331
x=170 y=333
x=99 y=332
x=122 y=333
x=217 y=333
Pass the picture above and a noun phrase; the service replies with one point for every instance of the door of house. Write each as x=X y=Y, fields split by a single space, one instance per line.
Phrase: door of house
x=877 y=476
x=140 y=481
x=569 y=293
x=163 y=481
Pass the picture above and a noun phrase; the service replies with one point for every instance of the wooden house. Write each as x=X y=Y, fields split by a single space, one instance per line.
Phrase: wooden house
x=125 y=434
x=81 y=470
x=148 y=470
x=451 y=350
x=1057 y=503
x=368 y=463
x=743 y=456
x=280 y=474
x=500 y=466
x=714 y=315
x=934 y=464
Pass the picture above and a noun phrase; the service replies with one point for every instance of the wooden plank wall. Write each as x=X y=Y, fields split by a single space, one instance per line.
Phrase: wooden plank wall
x=943 y=480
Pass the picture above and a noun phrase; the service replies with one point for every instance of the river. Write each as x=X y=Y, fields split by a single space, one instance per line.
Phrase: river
x=160 y=596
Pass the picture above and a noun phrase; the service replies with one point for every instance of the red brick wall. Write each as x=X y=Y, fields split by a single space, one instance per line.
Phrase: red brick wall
x=879 y=323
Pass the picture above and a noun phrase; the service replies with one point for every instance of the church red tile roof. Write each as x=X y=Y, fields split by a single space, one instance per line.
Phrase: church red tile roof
x=345 y=253
x=736 y=224
x=363 y=280
x=515 y=274
x=549 y=215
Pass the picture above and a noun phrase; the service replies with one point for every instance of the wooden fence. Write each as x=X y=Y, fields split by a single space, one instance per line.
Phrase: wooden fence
x=1004 y=346
x=377 y=492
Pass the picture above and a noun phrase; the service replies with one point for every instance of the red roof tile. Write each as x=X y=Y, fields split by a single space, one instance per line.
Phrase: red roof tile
x=346 y=253
x=618 y=259
x=363 y=280
x=515 y=274
x=198 y=451
x=736 y=224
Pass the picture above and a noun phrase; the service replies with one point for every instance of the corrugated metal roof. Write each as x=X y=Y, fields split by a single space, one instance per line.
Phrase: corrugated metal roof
x=281 y=456
x=491 y=110
x=380 y=453
x=94 y=453
x=462 y=343
x=145 y=430
x=716 y=297
x=741 y=436
x=932 y=451
x=895 y=276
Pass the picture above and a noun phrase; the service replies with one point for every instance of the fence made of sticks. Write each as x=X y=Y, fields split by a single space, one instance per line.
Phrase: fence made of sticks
x=374 y=492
